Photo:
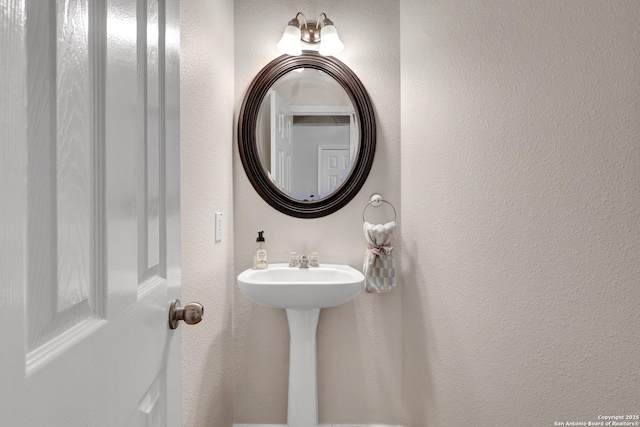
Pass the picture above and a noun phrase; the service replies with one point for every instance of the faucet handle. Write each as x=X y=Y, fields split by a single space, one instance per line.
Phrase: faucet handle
x=294 y=259
x=314 y=259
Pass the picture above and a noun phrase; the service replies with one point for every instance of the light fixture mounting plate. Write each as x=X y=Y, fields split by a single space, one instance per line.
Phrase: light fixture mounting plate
x=310 y=33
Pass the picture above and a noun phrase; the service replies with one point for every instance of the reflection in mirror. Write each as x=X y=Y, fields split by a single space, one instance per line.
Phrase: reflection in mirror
x=307 y=134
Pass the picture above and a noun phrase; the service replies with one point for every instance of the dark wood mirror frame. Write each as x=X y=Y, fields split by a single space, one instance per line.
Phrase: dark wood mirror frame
x=247 y=144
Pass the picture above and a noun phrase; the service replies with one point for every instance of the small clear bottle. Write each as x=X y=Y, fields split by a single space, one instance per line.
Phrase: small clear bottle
x=260 y=261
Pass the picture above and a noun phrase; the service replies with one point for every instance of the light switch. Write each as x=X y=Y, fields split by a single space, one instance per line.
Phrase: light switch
x=218 y=226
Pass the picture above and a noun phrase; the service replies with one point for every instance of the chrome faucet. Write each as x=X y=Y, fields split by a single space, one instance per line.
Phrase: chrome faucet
x=304 y=261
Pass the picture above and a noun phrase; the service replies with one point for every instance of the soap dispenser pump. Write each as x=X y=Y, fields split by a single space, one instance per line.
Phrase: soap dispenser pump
x=260 y=254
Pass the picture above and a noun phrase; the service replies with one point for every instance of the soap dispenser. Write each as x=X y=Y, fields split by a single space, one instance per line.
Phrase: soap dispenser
x=260 y=254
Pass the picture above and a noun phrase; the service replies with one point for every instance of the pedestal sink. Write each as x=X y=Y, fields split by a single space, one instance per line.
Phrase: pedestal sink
x=302 y=292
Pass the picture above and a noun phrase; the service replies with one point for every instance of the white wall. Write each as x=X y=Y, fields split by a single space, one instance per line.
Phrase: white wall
x=520 y=211
x=359 y=344
x=206 y=159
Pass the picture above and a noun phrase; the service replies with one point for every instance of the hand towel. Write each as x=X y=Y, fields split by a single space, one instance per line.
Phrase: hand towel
x=378 y=270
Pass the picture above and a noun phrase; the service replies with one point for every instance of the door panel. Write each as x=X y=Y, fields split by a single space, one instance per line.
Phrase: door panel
x=151 y=192
x=281 y=143
x=151 y=408
x=100 y=190
x=333 y=167
x=13 y=209
x=62 y=293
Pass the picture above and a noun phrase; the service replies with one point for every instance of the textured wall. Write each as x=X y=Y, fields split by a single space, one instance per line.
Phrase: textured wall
x=520 y=211
x=207 y=267
x=359 y=343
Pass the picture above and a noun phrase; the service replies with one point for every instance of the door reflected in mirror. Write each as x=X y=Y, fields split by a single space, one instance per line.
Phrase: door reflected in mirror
x=307 y=134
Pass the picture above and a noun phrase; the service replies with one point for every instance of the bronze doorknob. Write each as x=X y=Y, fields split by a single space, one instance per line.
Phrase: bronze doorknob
x=191 y=313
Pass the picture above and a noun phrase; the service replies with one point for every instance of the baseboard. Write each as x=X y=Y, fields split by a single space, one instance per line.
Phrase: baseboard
x=320 y=425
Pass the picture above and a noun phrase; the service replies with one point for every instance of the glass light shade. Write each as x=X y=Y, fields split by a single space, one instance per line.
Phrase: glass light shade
x=290 y=41
x=330 y=43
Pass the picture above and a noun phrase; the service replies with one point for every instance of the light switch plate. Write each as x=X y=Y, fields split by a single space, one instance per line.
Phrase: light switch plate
x=218 y=226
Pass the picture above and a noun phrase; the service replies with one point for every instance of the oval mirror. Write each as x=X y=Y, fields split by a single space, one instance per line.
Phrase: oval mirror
x=307 y=134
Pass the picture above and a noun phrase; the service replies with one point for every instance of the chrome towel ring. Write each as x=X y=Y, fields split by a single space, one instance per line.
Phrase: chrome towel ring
x=376 y=200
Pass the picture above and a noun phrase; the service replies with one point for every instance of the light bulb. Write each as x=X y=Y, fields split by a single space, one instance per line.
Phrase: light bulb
x=290 y=41
x=330 y=43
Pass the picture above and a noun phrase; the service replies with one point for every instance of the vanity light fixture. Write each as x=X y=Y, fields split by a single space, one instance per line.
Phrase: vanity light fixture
x=322 y=31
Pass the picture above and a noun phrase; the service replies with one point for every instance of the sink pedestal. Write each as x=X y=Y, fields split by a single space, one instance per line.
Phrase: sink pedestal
x=302 y=292
x=303 y=376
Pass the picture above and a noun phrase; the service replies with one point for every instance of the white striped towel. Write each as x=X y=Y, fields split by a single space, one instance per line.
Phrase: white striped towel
x=379 y=272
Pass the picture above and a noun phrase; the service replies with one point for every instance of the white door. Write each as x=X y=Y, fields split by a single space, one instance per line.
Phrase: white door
x=89 y=219
x=281 y=142
x=333 y=167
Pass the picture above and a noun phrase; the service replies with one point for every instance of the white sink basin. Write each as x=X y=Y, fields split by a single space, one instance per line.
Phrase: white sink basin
x=282 y=286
